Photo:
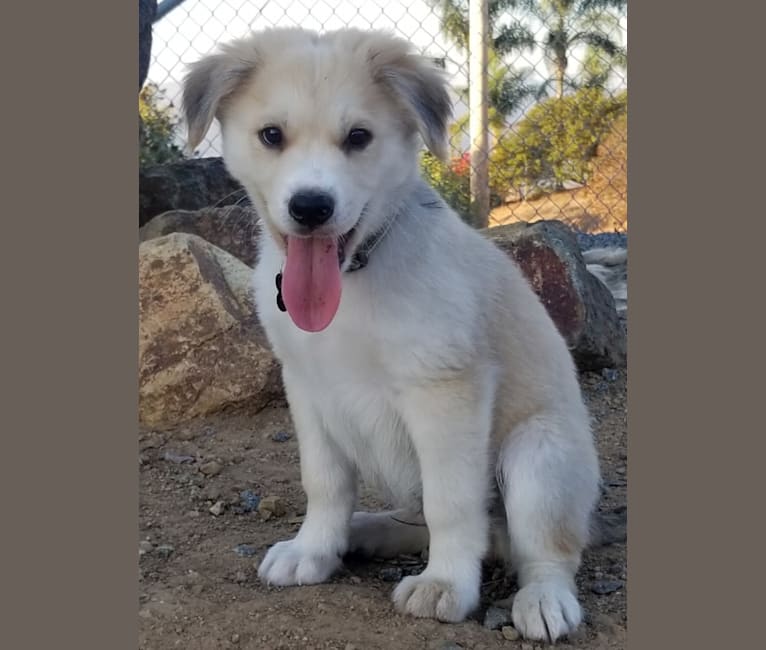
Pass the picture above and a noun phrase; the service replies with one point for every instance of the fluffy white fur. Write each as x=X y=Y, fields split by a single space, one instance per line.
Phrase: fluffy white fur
x=441 y=380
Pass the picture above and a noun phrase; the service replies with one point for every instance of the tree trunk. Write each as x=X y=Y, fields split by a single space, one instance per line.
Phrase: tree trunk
x=479 y=112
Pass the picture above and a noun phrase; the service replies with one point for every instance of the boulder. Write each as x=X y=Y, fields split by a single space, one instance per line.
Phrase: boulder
x=201 y=347
x=233 y=228
x=579 y=303
x=186 y=185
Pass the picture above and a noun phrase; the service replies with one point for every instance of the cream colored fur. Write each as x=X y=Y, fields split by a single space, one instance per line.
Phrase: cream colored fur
x=441 y=380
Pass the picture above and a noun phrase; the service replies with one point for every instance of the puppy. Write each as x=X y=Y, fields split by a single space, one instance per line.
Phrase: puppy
x=415 y=355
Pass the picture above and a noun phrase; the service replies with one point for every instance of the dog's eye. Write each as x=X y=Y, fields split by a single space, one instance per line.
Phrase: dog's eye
x=271 y=136
x=357 y=139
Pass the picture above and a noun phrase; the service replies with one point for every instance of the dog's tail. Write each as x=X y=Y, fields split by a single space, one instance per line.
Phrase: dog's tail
x=610 y=265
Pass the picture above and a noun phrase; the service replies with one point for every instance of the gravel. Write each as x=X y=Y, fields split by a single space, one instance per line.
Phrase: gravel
x=164 y=551
x=601 y=240
x=604 y=587
x=245 y=550
x=390 y=574
x=249 y=500
x=497 y=617
x=281 y=436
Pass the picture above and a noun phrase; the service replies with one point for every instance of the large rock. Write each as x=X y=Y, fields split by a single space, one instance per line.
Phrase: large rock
x=579 y=303
x=233 y=228
x=201 y=347
x=187 y=185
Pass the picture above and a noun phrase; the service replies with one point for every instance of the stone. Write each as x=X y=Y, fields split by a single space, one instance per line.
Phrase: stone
x=212 y=468
x=217 y=508
x=232 y=228
x=190 y=184
x=580 y=304
x=245 y=550
x=604 y=587
x=272 y=506
x=165 y=550
x=390 y=574
x=497 y=617
x=281 y=436
x=249 y=500
x=201 y=348
x=144 y=547
x=510 y=633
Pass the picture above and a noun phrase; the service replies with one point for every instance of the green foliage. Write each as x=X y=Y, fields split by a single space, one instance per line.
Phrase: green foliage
x=158 y=126
x=556 y=140
x=453 y=182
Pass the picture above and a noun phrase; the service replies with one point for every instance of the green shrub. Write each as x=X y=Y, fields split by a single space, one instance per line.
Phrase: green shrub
x=158 y=126
x=556 y=140
x=453 y=182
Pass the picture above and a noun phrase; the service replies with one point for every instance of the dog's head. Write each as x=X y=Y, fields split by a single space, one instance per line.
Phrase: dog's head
x=323 y=132
x=317 y=127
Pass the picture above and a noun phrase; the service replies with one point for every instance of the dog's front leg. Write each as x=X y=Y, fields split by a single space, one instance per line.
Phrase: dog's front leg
x=449 y=422
x=329 y=481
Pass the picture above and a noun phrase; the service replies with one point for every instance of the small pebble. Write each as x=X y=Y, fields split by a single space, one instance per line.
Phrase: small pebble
x=177 y=458
x=272 y=506
x=211 y=469
x=217 y=508
x=281 y=436
x=245 y=550
x=604 y=587
x=165 y=550
x=211 y=493
x=496 y=618
x=240 y=577
x=355 y=580
x=235 y=638
x=249 y=500
x=510 y=633
x=390 y=574
x=145 y=547
x=610 y=374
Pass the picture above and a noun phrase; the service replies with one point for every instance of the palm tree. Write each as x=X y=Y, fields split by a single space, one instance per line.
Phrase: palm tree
x=566 y=25
x=507 y=90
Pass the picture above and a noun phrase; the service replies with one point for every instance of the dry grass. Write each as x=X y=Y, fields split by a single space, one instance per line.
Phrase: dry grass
x=600 y=206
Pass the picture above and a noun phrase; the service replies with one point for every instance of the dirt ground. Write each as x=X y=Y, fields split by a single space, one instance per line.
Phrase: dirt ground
x=198 y=592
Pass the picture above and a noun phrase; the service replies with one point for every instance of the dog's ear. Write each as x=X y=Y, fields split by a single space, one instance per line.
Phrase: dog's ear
x=210 y=81
x=418 y=85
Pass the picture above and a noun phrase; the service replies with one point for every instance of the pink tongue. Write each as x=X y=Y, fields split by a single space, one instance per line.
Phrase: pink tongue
x=311 y=282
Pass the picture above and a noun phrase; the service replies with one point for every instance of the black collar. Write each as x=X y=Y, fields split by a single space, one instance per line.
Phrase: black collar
x=362 y=255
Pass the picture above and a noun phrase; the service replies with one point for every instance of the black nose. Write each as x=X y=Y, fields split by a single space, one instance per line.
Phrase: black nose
x=311 y=208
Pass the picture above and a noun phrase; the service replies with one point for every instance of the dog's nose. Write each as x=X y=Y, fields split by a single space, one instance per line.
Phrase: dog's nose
x=311 y=208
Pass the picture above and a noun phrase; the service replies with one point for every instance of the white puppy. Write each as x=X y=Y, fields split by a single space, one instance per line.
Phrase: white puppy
x=415 y=355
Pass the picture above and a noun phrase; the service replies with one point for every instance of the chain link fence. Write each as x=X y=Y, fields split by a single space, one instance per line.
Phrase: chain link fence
x=556 y=91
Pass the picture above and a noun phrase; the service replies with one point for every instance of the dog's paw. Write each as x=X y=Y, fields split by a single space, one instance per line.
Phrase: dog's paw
x=293 y=563
x=426 y=597
x=545 y=611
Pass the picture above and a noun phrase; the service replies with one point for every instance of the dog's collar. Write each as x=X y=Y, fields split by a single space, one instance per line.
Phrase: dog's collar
x=359 y=261
x=362 y=255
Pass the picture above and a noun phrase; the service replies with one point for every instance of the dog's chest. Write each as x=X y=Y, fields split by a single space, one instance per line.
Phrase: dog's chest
x=345 y=377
